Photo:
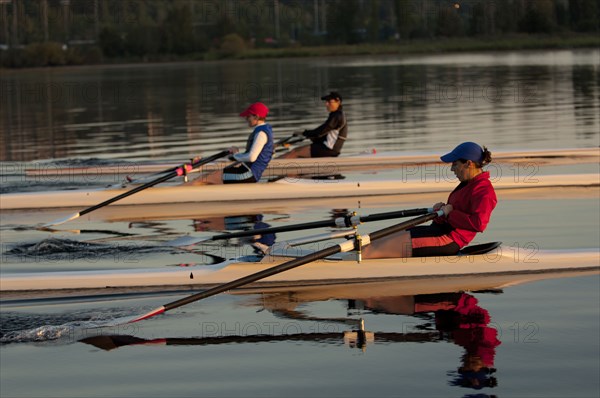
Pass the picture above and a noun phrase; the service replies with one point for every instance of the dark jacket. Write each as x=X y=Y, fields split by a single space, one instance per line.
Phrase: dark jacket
x=332 y=133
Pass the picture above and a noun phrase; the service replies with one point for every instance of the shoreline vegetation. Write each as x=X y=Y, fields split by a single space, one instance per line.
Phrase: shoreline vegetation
x=430 y=46
x=40 y=33
x=53 y=54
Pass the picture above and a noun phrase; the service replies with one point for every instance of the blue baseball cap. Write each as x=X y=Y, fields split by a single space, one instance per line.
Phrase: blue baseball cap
x=466 y=150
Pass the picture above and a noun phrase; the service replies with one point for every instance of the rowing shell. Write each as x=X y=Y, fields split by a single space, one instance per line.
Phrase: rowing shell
x=504 y=260
x=281 y=190
x=323 y=165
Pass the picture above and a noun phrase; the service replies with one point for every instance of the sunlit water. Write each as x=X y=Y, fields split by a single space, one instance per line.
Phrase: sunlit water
x=260 y=345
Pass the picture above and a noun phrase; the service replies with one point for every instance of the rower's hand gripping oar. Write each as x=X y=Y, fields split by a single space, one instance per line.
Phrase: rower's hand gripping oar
x=174 y=173
x=292 y=139
x=284 y=144
x=347 y=221
x=342 y=247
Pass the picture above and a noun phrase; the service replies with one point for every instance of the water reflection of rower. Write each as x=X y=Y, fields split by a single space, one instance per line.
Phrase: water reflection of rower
x=459 y=319
x=259 y=242
x=254 y=231
x=467 y=325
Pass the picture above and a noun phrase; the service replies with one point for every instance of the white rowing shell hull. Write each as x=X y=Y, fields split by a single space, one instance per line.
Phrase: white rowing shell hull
x=327 y=165
x=505 y=260
x=281 y=190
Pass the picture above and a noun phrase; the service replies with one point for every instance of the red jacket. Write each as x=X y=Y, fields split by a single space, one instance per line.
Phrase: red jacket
x=472 y=204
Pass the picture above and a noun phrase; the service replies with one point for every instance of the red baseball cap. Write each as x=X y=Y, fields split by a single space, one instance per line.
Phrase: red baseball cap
x=258 y=109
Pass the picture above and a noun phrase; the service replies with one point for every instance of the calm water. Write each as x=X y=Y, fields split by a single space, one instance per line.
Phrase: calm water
x=503 y=100
x=522 y=342
x=538 y=339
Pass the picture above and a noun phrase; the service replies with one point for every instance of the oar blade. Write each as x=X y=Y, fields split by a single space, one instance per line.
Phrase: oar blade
x=154 y=312
x=132 y=319
x=61 y=220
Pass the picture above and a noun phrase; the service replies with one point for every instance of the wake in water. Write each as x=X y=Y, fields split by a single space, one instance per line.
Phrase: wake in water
x=43 y=175
x=65 y=249
x=89 y=162
x=69 y=328
x=37 y=184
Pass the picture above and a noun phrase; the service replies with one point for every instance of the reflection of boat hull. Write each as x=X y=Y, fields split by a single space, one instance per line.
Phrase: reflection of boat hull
x=281 y=190
x=291 y=296
x=506 y=261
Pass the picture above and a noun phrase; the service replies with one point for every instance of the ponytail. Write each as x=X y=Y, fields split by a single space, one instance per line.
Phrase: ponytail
x=485 y=159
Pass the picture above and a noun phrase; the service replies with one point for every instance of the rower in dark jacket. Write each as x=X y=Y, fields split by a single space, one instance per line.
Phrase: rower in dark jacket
x=328 y=138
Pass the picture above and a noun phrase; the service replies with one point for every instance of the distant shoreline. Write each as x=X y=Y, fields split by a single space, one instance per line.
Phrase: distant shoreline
x=414 y=47
x=433 y=46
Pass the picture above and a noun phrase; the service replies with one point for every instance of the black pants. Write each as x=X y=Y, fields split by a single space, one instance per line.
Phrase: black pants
x=238 y=174
x=318 y=150
x=433 y=230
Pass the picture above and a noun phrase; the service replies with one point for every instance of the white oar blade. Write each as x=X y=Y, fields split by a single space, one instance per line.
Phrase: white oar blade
x=61 y=220
x=186 y=240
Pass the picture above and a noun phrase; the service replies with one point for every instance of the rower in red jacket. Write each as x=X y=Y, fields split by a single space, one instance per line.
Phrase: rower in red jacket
x=467 y=212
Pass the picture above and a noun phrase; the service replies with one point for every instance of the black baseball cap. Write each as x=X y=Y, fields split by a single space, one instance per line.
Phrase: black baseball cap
x=332 y=95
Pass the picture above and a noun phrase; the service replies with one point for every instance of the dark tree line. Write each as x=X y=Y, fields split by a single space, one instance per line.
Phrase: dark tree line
x=86 y=30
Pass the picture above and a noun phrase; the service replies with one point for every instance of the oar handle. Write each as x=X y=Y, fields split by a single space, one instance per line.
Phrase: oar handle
x=284 y=140
x=394 y=214
x=404 y=225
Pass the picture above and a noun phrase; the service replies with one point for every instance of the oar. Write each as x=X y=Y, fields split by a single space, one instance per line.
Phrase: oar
x=285 y=143
x=347 y=221
x=194 y=162
x=292 y=139
x=342 y=247
x=317 y=238
x=164 y=178
x=114 y=341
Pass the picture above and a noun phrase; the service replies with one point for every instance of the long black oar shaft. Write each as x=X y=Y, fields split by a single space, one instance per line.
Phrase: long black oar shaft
x=347 y=246
x=152 y=183
x=347 y=221
x=194 y=163
x=138 y=189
